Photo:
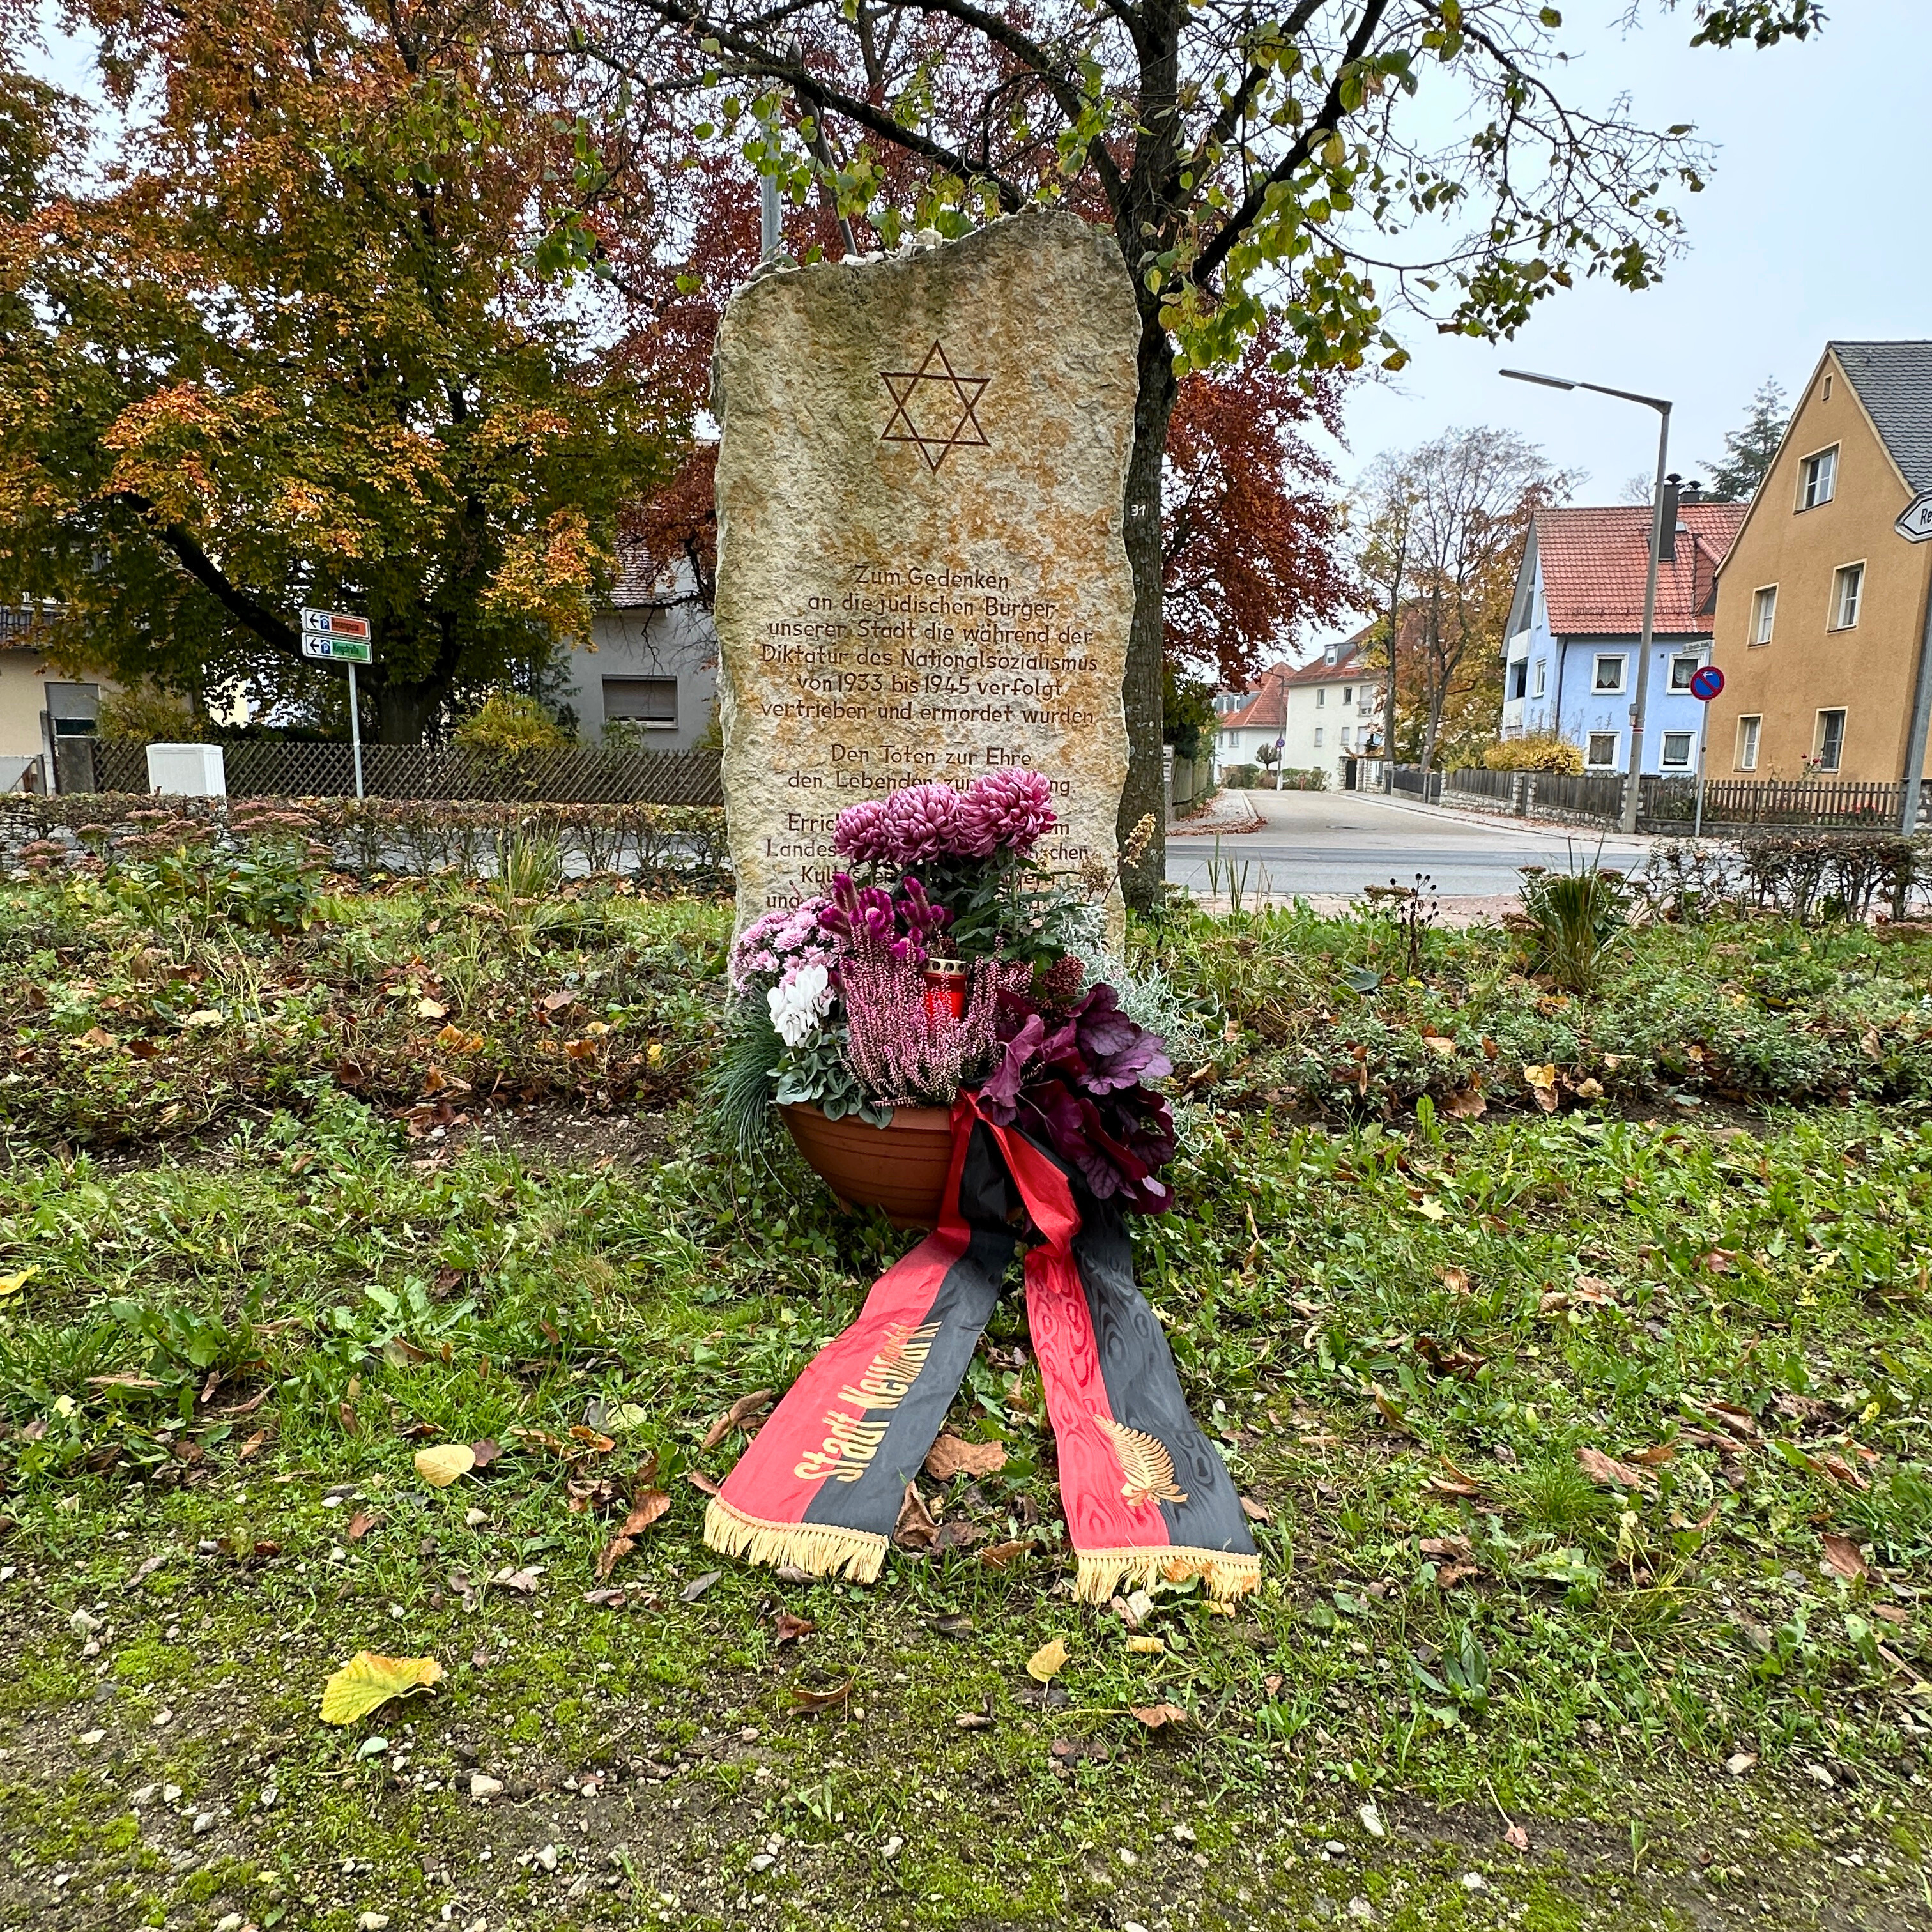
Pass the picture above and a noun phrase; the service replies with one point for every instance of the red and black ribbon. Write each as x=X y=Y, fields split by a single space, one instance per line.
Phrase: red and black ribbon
x=1146 y=1495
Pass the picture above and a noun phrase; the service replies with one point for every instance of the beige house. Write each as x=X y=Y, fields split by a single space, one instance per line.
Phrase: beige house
x=1320 y=714
x=1821 y=605
x=38 y=705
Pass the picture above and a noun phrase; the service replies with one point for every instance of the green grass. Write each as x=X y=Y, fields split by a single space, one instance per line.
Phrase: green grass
x=231 y=1341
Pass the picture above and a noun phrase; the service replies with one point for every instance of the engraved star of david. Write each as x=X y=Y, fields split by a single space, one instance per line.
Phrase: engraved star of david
x=945 y=403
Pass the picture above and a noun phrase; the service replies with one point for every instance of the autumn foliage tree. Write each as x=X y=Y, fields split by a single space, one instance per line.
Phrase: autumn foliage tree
x=1449 y=519
x=1251 y=525
x=326 y=330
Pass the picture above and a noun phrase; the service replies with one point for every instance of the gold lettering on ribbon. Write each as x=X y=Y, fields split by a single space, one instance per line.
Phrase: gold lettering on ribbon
x=887 y=1382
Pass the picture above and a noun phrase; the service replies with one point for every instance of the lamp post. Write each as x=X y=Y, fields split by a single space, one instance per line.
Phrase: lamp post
x=1633 y=785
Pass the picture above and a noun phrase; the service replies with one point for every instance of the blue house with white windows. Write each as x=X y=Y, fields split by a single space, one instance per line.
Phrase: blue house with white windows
x=1570 y=656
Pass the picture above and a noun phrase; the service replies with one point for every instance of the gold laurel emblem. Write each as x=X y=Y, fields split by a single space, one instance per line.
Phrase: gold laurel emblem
x=1145 y=1463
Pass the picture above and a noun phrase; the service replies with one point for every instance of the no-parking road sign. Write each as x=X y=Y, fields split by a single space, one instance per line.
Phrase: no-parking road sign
x=1705 y=683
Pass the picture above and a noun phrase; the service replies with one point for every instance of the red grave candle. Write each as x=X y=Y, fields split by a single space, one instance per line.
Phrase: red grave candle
x=945 y=984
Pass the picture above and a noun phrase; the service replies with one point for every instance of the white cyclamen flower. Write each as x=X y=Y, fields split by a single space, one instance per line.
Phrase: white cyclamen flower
x=799 y=1002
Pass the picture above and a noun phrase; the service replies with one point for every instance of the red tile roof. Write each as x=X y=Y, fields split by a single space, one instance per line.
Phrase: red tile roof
x=1266 y=706
x=1594 y=562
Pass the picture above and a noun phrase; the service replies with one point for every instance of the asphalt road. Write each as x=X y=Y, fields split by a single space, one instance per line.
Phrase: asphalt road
x=1319 y=842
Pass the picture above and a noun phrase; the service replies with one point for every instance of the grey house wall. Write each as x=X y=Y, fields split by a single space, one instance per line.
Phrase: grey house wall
x=668 y=637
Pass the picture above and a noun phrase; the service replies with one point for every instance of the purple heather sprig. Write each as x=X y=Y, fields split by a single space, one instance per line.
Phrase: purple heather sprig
x=906 y=1052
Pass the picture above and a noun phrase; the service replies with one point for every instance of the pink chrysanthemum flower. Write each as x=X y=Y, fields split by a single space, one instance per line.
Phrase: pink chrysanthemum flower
x=861 y=833
x=921 y=822
x=1008 y=810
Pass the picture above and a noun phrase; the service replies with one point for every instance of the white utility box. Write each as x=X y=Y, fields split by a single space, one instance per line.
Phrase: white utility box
x=186 y=771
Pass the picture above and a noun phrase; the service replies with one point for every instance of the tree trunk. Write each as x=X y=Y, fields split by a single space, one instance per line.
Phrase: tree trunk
x=1141 y=691
x=403 y=712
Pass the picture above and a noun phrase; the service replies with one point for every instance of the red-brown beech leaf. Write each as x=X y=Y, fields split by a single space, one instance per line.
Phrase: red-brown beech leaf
x=952 y=1455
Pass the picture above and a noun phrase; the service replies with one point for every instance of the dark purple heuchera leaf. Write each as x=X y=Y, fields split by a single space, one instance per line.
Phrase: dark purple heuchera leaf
x=1000 y=1094
x=1079 y=1088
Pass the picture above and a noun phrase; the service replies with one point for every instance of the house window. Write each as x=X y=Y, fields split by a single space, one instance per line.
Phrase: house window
x=1347 y=694
x=1831 y=751
x=1764 y=614
x=1682 y=671
x=1317 y=737
x=1602 y=755
x=1519 y=680
x=1610 y=674
x=1747 y=733
x=1345 y=737
x=1848 y=586
x=1676 y=751
x=651 y=701
x=1542 y=682
x=1321 y=697
x=1818 y=478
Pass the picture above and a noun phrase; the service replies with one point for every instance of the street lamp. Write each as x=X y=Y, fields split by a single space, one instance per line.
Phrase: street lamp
x=1633 y=786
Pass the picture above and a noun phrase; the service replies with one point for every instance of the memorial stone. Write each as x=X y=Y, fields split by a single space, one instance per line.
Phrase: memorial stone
x=921 y=574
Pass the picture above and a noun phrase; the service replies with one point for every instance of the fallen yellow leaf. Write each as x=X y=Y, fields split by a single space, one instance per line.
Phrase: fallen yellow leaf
x=1048 y=1661
x=441 y=1465
x=1148 y=1646
x=432 y=1009
x=367 y=1682
x=12 y=1284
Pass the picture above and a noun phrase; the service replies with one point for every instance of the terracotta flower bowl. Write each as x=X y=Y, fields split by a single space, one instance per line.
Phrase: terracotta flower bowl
x=901 y=1168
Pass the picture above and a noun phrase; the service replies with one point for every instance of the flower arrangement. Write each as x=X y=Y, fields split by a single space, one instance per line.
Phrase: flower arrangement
x=946 y=958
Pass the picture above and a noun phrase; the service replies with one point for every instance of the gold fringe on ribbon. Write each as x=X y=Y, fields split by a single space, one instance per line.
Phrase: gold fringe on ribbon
x=823 y=1549
x=1102 y=1573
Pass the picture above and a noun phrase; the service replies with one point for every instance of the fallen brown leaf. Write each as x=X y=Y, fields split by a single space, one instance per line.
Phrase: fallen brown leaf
x=740 y=1412
x=486 y=1451
x=645 y=1508
x=1455 y=1279
x=360 y=1524
x=697 y=1587
x=803 y=1698
x=916 y=1528
x=698 y=1480
x=1256 y=1512
x=1466 y=1105
x=997 y=1555
x=951 y=1456
x=1656 y=1457
x=1455 y=1484
x=1444 y=1545
x=1608 y=1473
x=974 y=1720
x=789 y=1628
x=1162 y=1717
x=1835 y=1466
x=1390 y=1410
x=1516 y=1838
x=1844 y=1558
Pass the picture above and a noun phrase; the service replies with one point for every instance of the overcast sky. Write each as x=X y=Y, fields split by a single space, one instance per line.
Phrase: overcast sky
x=1816 y=223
